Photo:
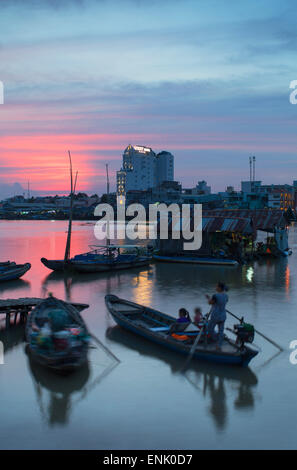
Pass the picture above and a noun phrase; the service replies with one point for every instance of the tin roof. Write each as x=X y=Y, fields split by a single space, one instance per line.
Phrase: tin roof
x=213 y=223
x=265 y=219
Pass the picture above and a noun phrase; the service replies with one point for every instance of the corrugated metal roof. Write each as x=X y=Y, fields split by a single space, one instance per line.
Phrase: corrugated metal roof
x=265 y=219
x=217 y=224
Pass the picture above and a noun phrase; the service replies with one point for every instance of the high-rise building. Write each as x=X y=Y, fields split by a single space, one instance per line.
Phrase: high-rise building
x=142 y=169
x=164 y=167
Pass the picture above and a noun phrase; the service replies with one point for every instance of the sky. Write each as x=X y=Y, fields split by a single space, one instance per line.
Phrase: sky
x=207 y=80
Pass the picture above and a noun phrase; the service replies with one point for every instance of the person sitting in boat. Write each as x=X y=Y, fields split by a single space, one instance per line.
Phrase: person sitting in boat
x=182 y=321
x=218 y=313
x=183 y=316
x=198 y=317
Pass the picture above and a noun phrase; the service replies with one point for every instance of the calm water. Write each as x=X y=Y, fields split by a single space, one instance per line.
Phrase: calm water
x=144 y=402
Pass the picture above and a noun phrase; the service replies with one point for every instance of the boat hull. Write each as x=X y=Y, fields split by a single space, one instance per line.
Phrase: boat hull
x=55 y=265
x=239 y=357
x=90 y=267
x=196 y=260
x=14 y=272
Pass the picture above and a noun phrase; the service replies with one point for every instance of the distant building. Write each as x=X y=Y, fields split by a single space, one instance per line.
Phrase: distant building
x=281 y=199
x=164 y=167
x=250 y=186
x=142 y=169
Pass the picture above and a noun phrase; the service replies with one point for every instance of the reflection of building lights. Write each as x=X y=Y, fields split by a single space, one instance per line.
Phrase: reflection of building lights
x=143 y=289
x=250 y=274
x=287 y=279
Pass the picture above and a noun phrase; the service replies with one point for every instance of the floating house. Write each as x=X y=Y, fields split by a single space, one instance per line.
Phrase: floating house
x=232 y=234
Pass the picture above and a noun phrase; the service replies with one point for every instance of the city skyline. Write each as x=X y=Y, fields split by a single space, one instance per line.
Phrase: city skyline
x=206 y=83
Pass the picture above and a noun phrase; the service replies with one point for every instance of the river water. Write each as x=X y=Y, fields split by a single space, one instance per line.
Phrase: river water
x=144 y=402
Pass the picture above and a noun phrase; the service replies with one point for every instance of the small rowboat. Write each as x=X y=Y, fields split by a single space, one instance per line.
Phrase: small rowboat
x=197 y=260
x=155 y=326
x=64 y=346
x=13 y=271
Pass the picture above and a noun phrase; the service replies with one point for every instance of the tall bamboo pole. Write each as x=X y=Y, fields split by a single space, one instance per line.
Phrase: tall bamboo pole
x=67 y=249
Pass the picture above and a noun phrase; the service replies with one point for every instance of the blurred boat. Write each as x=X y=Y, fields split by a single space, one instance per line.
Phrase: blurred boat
x=57 y=336
x=13 y=271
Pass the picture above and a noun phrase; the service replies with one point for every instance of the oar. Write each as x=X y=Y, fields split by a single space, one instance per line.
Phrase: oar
x=259 y=333
x=80 y=321
x=108 y=351
x=193 y=348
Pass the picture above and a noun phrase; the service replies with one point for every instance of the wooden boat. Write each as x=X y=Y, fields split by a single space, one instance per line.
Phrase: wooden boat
x=60 y=349
x=154 y=326
x=197 y=260
x=110 y=258
x=13 y=271
x=55 y=265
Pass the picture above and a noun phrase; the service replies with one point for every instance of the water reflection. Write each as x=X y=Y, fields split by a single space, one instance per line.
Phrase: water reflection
x=13 y=336
x=16 y=285
x=103 y=282
x=54 y=393
x=214 y=382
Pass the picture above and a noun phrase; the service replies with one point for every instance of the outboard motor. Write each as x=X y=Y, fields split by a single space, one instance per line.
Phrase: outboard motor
x=245 y=333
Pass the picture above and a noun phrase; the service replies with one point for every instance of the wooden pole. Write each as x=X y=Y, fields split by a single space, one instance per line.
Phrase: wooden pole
x=107 y=190
x=68 y=242
x=193 y=348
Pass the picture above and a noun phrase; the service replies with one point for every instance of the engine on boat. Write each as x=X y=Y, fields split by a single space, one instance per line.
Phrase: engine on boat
x=245 y=333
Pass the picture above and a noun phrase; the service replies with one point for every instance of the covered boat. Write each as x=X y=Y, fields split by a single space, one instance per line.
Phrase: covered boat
x=13 y=271
x=57 y=335
x=111 y=258
x=157 y=326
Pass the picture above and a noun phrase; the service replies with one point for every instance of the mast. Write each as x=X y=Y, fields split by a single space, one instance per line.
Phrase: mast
x=107 y=191
x=68 y=242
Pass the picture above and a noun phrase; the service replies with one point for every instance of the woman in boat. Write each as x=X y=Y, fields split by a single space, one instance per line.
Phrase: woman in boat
x=183 y=316
x=182 y=321
x=218 y=313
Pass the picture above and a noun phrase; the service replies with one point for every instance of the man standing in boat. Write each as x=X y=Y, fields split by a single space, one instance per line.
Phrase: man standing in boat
x=218 y=313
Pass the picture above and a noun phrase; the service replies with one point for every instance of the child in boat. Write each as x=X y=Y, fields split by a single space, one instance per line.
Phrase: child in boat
x=198 y=317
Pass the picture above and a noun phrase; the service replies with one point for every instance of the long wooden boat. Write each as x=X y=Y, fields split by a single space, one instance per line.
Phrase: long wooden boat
x=64 y=346
x=154 y=326
x=197 y=260
x=110 y=258
x=13 y=271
